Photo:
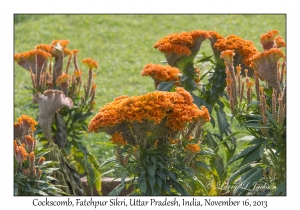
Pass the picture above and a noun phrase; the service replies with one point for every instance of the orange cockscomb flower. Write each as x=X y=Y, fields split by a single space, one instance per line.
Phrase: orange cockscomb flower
x=90 y=63
x=267 y=39
x=62 y=43
x=157 y=112
x=265 y=64
x=45 y=47
x=20 y=153
x=244 y=49
x=28 y=122
x=279 y=42
x=62 y=79
x=117 y=138
x=193 y=148
x=160 y=73
x=180 y=45
x=227 y=55
x=77 y=73
x=30 y=54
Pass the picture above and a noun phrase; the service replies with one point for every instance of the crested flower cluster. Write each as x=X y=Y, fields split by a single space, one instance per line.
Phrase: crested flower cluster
x=161 y=114
x=245 y=48
x=24 y=146
x=269 y=41
x=181 y=45
x=160 y=73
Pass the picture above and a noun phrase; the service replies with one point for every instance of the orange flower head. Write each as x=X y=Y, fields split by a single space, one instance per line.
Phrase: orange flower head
x=67 y=52
x=62 y=79
x=45 y=47
x=30 y=143
x=160 y=72
x=227 y=55
x=62 y=43
x=117 y=138
x=31 y=55
x=77 y=73
x=266 y=65
x=176 y=108
x=180 y=43
x=280 y=42
x=267 y=39
x=90 y=63
x=21 y=154
x=241 y=47
x=249 y=84
x=75 y=51
x=193 y=148
x=28 y=120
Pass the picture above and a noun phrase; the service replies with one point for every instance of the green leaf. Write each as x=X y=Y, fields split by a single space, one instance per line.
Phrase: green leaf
x=170 y=174
x=117 y=190
x=250 y=157
x=151 y=181
x=180 y=189
x=151 y=170
x=158 y=181
x=166 y=187
x=243 y=153
x=109 y=171
x=222 y=120
x=82 y=116
x=271 y=118
x=253 y=176
x=165 y=86
x=142 y=186
x=209 y=140
x=253 y=125
x=123 y=177
x=239 y=172
x=202 y=186
x=281 y=189
x=109 y=160
x=205 y=59
x=202 y=165
x=199 y=102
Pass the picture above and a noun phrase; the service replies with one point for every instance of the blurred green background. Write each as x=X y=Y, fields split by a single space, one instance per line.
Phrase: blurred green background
x=122 y=45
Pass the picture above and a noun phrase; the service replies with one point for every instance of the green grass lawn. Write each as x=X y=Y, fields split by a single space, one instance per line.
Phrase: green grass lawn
x=122 y=45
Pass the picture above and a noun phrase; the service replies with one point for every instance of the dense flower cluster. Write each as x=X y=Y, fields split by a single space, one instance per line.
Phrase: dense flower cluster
x=244 y=48
x=62 y=79
x=117 y=138
x=177 y=107
x=90 y=63
x=193 y=148
x=30 y=55
x=27 y=120
x=160 y=72
x=180 y=43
